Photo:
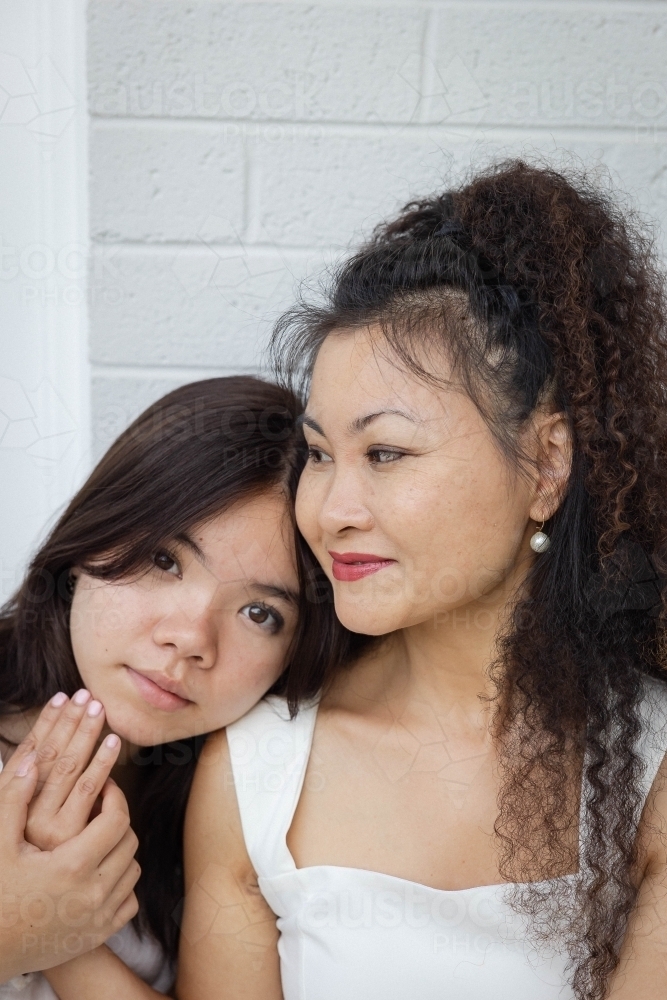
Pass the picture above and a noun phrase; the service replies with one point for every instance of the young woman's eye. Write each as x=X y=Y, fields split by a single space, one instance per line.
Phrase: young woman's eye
x=316 y=456
x=380 y=456
x=165 y=561
x=264 y=616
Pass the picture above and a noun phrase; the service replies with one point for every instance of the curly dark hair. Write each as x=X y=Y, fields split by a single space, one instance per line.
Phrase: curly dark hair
x=542 y=289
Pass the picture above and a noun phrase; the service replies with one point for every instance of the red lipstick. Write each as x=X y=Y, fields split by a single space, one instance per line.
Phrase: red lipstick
x=349 y=566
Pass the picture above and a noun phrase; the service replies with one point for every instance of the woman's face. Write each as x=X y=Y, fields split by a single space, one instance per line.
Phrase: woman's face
x=406 y=499
x=194 y=643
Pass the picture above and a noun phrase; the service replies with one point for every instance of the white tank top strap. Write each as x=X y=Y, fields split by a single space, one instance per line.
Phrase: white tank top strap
x=269 y=754
x=652 y=744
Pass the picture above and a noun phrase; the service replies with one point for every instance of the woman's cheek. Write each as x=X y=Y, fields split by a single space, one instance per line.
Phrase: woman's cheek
x=85 y=617
x=307 y=508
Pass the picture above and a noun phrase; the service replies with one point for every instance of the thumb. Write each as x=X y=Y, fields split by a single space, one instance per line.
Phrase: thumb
x=15 y=797
x=110 y=795
x=113 y=798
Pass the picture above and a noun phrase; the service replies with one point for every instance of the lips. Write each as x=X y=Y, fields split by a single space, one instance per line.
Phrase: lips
x=350 y=566
x=158 y=691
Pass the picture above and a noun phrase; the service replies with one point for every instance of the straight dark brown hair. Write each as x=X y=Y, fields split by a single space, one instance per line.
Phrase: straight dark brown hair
x=188 y=457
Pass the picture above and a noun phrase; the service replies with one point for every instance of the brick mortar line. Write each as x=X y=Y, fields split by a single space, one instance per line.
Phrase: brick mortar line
x=118 y=371
x=394 y=130
x=631 y=6
x=230 y=251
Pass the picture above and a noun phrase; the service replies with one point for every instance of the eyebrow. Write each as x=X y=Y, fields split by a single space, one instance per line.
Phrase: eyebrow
x=361 y=423
x=190 y=543
x=270 y=590
x=309 y=422
x=267 y=589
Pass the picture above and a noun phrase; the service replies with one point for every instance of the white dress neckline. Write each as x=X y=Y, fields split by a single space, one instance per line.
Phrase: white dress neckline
x=311 y=709
x=367 y=935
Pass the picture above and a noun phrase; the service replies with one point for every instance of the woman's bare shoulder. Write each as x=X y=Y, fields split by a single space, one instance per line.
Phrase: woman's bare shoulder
x=213 y=829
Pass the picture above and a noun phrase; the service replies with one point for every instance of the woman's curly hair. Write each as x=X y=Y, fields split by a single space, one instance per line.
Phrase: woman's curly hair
x=542 y=291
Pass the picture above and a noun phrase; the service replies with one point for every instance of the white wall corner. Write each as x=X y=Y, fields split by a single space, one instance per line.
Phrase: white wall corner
x=44 y=376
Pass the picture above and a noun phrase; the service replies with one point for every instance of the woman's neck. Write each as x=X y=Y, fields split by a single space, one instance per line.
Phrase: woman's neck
x=444 y=661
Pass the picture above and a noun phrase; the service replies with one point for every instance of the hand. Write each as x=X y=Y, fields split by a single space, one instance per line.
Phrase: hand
x=64 y=738
x=57 y=904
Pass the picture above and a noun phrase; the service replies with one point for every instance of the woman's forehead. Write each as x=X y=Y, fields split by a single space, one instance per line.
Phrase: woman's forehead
x=251 y=535
x=357 y=376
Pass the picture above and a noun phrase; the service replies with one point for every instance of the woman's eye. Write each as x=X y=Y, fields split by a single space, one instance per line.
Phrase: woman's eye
x=166 y=562
x=266 y=617
x=317 y=456
x=383 y=455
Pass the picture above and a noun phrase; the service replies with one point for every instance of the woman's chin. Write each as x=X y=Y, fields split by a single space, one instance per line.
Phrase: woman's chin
x=368 y=620
x=144 y=730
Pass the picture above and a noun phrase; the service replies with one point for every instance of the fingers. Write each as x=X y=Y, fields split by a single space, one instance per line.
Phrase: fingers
x=39 y=732
x=116 y=876
x=76 y=809
x=118 y=860
x=119 y=875
x=126 y=911
x=14 y=799
x=102 y=834
x=53 y=745
x=113 y=798
x=84 y=724
x=120 y=872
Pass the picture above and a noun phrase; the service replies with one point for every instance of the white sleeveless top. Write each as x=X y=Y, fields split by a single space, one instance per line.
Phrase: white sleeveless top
x=362 y=935
x=141 y=954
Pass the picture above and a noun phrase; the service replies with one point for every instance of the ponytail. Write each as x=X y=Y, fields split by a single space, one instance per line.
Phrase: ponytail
x=540 y=291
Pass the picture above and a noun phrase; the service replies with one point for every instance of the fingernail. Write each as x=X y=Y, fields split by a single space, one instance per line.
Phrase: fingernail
x=59 y=699
x=81 y=697
x=94 y=708
x=112 y=741
x=26 y=765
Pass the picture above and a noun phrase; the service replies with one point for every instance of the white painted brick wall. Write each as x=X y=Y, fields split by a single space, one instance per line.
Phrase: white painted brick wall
x=237 y=147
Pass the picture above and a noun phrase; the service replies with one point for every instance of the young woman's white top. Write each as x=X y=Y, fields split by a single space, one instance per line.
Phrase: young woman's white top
x=141 y=954
x=362 y=935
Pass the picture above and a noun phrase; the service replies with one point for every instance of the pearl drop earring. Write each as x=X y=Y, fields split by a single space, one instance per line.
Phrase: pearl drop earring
x=540 y=542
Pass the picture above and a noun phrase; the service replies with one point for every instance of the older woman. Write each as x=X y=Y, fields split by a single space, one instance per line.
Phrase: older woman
x=457 y=814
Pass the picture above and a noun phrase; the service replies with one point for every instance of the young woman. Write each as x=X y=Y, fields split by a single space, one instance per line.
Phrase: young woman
x=166 y=601
x=457 y=816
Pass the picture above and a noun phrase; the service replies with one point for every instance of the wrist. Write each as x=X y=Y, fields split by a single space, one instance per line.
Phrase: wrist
x=78 y=962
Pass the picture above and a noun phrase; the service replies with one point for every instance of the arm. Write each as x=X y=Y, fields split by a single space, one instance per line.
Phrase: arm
x=99 y=975
x=642 y=972
x=64 y=741
x=229 y=935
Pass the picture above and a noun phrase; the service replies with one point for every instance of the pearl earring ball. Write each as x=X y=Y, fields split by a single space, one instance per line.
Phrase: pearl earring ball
x=540 y=542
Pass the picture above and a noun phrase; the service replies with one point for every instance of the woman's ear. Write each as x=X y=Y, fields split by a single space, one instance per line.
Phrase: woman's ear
x=554 y=464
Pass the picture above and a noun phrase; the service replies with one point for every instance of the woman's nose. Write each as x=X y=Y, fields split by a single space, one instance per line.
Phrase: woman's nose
x=190 y=635
x=345 y=506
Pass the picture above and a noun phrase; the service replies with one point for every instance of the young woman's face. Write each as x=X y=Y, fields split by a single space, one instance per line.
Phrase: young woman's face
x=194 y=643
x=405 y=500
